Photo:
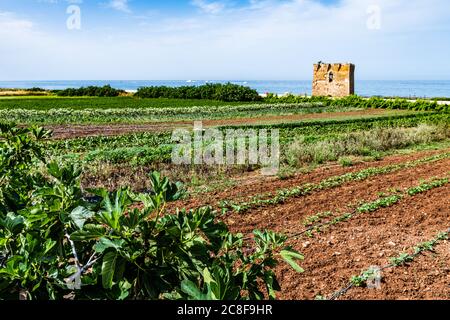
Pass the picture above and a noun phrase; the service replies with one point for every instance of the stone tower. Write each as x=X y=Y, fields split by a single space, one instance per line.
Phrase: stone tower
x=333 y=79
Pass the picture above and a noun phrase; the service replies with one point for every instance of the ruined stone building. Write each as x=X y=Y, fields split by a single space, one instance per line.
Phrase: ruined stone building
x=333 y=80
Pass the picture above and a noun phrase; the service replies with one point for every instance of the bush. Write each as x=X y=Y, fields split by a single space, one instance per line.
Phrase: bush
x=91 y=91
x=221 y=92
x=36 y=89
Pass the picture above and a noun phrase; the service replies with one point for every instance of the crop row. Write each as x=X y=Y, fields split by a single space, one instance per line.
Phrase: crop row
x=136 y=115
x=330 y=126
x=374 y=102
x=284 y=194
x=316 y=224
x=396 y=261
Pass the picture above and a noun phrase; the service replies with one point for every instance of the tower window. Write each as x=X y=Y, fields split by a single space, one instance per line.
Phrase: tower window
x=330 y=77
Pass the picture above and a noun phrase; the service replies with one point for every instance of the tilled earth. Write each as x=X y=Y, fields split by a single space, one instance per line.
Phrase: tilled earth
x=346 y=249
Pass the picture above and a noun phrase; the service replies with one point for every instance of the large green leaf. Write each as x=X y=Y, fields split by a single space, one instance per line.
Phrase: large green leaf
x=109 y=268
x=79 y=216
x=89 y=232
x=104 y=243
x=188 y=287
x=14 y=224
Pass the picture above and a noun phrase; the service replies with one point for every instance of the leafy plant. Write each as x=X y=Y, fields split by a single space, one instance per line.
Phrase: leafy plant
x=427 y=186
x=380 y=203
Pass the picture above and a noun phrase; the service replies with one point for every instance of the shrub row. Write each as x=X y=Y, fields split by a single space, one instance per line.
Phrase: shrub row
x=92 y=91
x=217 y=91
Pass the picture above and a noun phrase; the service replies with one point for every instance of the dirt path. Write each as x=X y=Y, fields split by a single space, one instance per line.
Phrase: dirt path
x=68 y=131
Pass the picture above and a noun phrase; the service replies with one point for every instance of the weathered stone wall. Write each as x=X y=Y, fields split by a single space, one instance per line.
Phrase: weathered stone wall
x=334 y=80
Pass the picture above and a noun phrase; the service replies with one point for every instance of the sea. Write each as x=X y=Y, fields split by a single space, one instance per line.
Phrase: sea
x=364 y=88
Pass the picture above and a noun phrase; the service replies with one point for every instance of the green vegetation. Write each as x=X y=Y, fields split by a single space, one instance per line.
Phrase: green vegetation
x=316 y=223
x=62 y=110
x=58 y=243
x=317 y=150
x=62 y=239
x=377 y=204
x=361 y=280
x=145 y=115
x=400 y=260
x=304 y=149
x=374 y=102
x=91 y=91
x=310 y=220
x=427 y=186
x=351 y=124
x=95 y=103
x=216 y=91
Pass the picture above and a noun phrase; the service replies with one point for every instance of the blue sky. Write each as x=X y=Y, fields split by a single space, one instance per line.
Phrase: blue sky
x=223 y=39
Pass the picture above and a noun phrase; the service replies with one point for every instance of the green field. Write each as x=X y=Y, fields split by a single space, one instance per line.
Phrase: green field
x=79 y=103
x=95 y=188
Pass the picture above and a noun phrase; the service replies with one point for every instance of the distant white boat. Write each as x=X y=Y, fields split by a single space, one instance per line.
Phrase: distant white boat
x=190 y=81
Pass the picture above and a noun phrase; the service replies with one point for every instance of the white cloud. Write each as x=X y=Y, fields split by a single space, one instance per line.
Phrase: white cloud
x=120 y=5
x=12 y=25
x=209 y=7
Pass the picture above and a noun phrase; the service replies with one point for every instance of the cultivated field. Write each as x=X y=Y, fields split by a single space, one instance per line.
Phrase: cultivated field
x=361 y=184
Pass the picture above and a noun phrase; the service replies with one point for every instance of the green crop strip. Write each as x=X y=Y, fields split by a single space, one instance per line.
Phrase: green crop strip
x=427 y=186
x=352 y=122
x=368 y=207
x=80 y=103
x=374 y=102
x=399 y=260
x=380 y=203
x=141 y=115
x=284 y=194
